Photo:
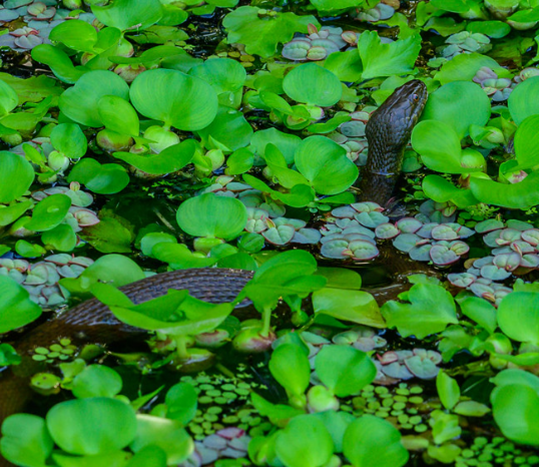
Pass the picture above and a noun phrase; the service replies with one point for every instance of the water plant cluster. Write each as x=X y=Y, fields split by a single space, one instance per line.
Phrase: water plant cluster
x=143 y=137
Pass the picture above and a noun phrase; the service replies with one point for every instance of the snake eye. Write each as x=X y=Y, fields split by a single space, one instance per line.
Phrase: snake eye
x=415 y=97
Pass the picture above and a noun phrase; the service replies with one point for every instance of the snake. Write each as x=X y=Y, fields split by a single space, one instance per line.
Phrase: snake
x=387 y=131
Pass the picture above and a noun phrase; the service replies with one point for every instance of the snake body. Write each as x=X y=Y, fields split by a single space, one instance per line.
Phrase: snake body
x=388 y=132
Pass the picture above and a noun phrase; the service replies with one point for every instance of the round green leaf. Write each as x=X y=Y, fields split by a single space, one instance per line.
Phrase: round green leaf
x=344 y=370
x=304 y=442
x=16 y=308
x=459 y=104
x=439 y=146
x=59 y=62
x=183 y=101
x=210 y=215
x=60 y=238
x=16 y=176
x=25 y=440
x=80 y=102
x=69 y=139
x=182 y=401
x=124 y=14
x=312 y=84
x=224 y=74
x=523 y=101
x=75 y=34
x=290 y=367
x=518 y=318
x=104 y=179
x=92 y=426
x=516 y=410
x=96 y=381
x=324 y=163
x=228 y=131
x=380 y=443
x=118 y=115
x=49 y=212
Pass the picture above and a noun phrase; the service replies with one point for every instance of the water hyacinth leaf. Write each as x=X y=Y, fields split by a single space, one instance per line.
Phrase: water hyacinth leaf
x=224 y=74
x=517 y=316
x=69 y=139
x=75 y=34
x=105 y=179
x=324 y=163
x=521 y=195
x=181 y=400
x=123 y=14
x=109 y=235
x=49 y=212
x=179 y=100
x=380 y=59
x=118 y=115
x=380 y=440
x=96 y=381
x=8 y=98
x=170 y=160
x=286 y=143
x=482 y=312
x=304 y=441
x=228 y=131
x=196 y=216
x=169 y=435
x=515 y=408
x=80 y=102
x=25 y=440
x=59 y=62
x=178 y=256
x=522 y=101
x=16 y=309
x=312 y=84
x=441 y=190
x=348 y=305
x=439 y=146
x=458 y=104
x=16 y=176
x=290 y=367
x=327 y=5
x=92 y=426
x=471 y=409
x=527 y=143
x=463 y=67
x=448 y=390
x=60 y=238
x=344 y=370
x=430 y=310
x=261 y=35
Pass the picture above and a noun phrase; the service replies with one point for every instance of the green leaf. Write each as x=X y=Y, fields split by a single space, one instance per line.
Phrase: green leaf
x=228 y=131
x=515 y=408
x=344 y=370
x=170 y=160
x=185 y=102
x=92 y=426
x=118 y=115
x=285 y=142
x=380 y=440
x=181 y=401
x=224 y=74
x=304 y=442
x=16 y=308
x=521 y=195
x=441 y=190
x=312 y=84
x=197 y=216
x=25 y=440
x=60 y=238
x=124 y=14
x=324 y=163
x=8 y=98
x=387 y=59
x=16 y=176
x=522 y=101
x=96 y=381
x=104 y=179
x=290 y=367
x=517 y=316
x=348 y=305
x=69 y=139
x=458 y=104
x=448 y=390
x=481 y=311
x=527 y=143
x=326 y=5
x=149 y=456
x=49 y=212
x=75 y=34
x=59 y=62
x=80 y=102
x=430 y=310
x=109 y=236
x=463 y=67
x=261 y=35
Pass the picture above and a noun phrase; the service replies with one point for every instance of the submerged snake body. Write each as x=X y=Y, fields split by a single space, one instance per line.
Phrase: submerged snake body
x=388 y=132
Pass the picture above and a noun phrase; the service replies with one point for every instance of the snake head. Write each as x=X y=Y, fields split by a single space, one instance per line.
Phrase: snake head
x=393 y=121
